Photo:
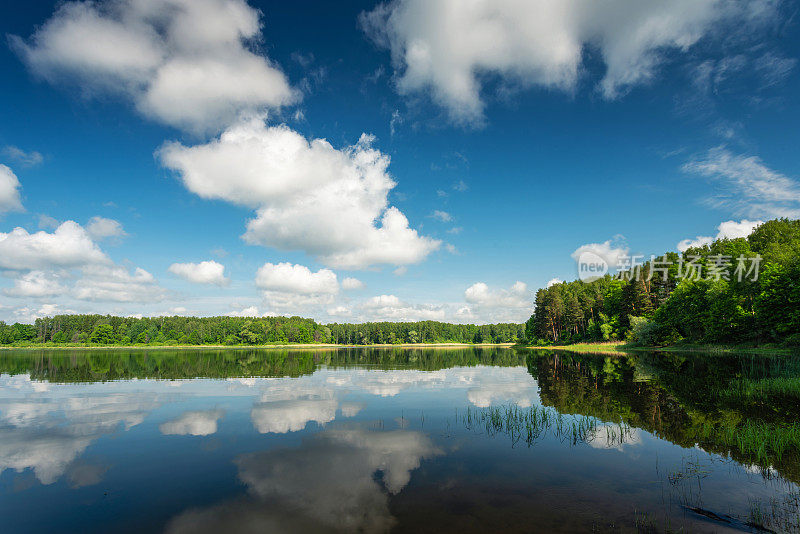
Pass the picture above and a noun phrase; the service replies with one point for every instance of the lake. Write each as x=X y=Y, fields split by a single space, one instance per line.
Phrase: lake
x=402 y=440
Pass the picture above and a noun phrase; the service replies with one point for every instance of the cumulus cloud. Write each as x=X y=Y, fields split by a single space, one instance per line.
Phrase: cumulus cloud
x=487 y=304
x=340 y=311
x=68 y=246
x=391 y=308
x=480 y=294
x=350 y=284
x=9 y=191
x=205 y=272
x=750 y=187
x=291 y=278
x=101 y=228
x=193 y=423
x=28 y=314
x=249 y=311
x=43 y=263
x=331 y=203
x=448 y=47
x=295 y=289
x=114 y=283
x=35 y=284
x=725 y=230
x=186 y=63
x=554 y=281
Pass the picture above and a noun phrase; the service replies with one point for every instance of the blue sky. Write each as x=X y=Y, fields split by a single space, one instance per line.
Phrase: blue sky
x=184 y=142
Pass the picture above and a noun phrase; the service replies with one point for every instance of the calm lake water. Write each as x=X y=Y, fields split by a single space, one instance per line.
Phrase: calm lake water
x=376 y=440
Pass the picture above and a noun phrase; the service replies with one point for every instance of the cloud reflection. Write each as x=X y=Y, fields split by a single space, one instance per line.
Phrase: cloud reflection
x=338 y=480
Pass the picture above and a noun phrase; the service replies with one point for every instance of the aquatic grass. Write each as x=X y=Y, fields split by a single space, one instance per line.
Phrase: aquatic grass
x=777 y=515
x=763 y=442
x=744 y=390
x=536 y=422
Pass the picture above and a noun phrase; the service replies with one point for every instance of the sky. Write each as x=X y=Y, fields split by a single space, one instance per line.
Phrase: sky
x=352 y=161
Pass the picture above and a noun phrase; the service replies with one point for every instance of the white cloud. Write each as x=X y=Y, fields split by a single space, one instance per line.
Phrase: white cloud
x=350 y=284
x=26 y=159
x=486 y=305
x=29 y=315
x=186 y=63
x=340 y=311
x=249 y=311
x=554 y=281
x=35 y=284
x=116 y=284
x=205 y=272
x=460 y=185
x=448 y=46
x=193 y=423
x=295 y=289
x=42 y=263
x=613 y=251
x=101 y=228
x=753 y=189
x=9 y=191
x=699 y=241
x=725 y=230
x=381 y=301
x=391 y=308
x=291 y=278
x=735 y=230
x=299 y=187
x=68 y=246
x=515 y=297
x=443 y=216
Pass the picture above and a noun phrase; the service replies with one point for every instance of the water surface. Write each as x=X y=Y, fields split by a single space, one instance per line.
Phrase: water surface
x=402 y=440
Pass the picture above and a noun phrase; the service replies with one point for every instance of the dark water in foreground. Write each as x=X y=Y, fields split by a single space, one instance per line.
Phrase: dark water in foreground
x=437 y=440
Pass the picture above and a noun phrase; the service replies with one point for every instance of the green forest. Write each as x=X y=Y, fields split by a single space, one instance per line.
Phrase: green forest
x=102 y=330
x=732 y=291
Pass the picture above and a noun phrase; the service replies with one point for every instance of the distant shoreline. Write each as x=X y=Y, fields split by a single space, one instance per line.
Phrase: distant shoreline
x=239 y=347
x=621 y=348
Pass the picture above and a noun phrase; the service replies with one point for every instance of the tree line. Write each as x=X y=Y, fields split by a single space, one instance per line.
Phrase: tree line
x=179 y=330
x=744 y=290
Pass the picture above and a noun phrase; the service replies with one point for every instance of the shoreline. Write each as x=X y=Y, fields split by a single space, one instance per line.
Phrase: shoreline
x=306 y=346
x=621 y=348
